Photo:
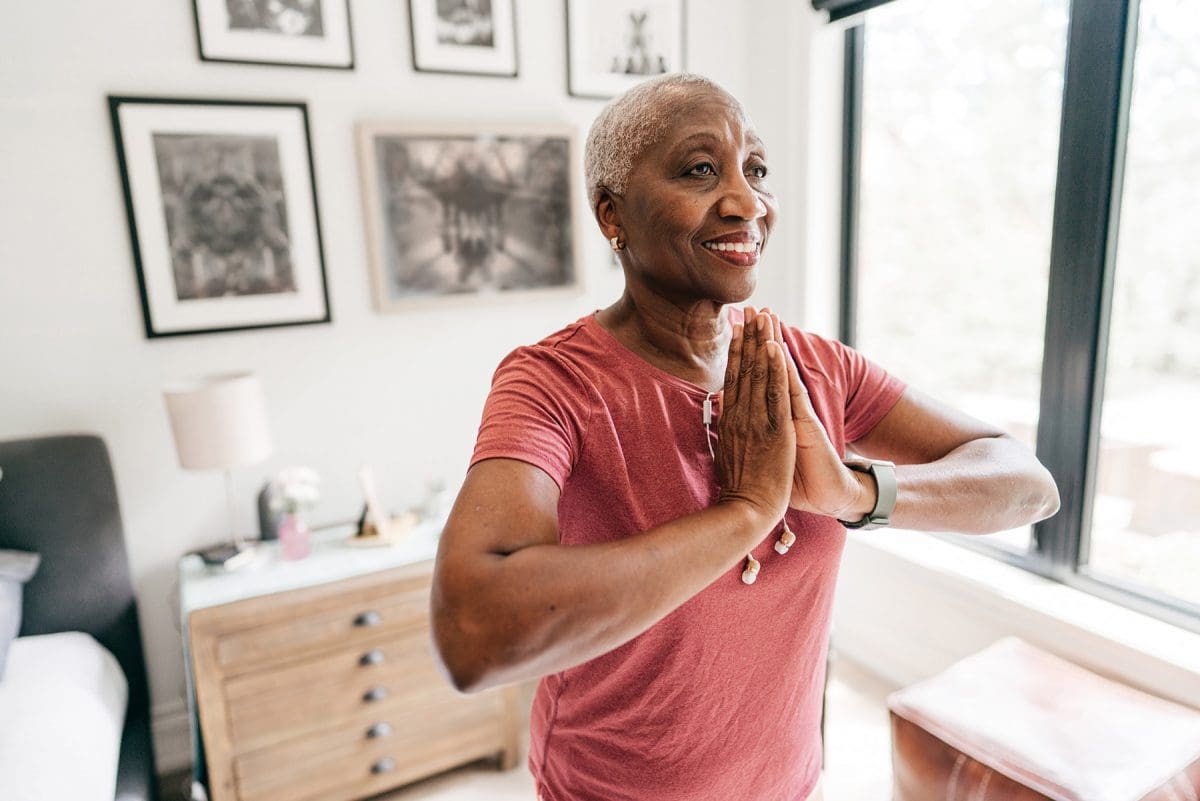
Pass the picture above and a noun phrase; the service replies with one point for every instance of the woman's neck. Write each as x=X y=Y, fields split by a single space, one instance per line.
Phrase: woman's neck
x=688 y=342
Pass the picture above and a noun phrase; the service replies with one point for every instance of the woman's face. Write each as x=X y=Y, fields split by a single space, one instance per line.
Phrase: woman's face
x=697 y=210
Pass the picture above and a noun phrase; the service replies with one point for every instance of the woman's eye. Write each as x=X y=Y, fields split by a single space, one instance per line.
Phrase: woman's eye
x=704 y=170
x=759 y=172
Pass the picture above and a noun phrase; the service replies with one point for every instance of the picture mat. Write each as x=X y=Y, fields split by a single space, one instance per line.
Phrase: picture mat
x=218 y=42
x=376 y=222
x=597 y=31
x=139 y=123
x=430 y=54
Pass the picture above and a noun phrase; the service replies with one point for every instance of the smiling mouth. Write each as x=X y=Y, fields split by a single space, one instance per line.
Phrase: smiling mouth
x=741 y=254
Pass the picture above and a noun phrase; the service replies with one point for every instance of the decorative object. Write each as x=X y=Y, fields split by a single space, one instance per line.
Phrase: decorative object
x=468 y=211
x=294 y=33
x=293 y=490
x=219 y=422
x=222 y=210
x=614 y=44
x=469 y=37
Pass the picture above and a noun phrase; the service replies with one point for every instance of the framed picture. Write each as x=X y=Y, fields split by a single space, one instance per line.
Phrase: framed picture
x=456 y=212
x=614 y=44
x=222 y=210
x=294 y=33
x=471 y=37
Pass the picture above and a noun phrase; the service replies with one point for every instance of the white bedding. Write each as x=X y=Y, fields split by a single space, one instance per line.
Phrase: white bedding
x=62 y=708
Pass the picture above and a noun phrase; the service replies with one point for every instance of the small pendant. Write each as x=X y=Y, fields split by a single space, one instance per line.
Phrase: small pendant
x=750 y=574
x=786 y=540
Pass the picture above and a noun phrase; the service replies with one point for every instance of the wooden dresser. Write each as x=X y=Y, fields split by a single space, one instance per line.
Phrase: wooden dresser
x=330 y=692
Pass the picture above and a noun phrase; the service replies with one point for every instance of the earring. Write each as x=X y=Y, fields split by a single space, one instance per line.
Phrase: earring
x=616 y=243
x=750 y=574
x=786 y=539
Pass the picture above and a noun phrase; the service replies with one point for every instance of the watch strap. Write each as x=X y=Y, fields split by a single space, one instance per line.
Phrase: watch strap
x=880 y=515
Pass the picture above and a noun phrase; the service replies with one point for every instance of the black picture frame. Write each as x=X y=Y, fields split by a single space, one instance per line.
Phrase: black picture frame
x=182 y=162
x=498 y=57
x=593 y=24
x=219 y=38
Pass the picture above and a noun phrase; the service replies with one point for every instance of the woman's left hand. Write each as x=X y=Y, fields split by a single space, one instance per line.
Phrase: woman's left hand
x=822 y=484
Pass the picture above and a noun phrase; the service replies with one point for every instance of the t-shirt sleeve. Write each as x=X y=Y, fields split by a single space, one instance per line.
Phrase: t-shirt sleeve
x=871 y=391
x=536 y=412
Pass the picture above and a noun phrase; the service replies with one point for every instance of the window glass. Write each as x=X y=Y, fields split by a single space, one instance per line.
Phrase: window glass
x=1146 y=511
x=961 y=108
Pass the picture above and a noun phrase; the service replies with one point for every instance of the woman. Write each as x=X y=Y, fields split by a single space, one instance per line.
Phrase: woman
x=651 y=522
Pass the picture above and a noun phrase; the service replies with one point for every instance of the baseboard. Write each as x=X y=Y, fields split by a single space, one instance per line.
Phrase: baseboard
x=172 y=730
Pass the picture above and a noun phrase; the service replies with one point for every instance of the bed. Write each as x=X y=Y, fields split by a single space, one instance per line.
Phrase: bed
x=74 y=702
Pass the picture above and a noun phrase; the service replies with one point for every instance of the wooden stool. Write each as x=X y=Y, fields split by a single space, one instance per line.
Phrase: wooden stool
x=1013 y=723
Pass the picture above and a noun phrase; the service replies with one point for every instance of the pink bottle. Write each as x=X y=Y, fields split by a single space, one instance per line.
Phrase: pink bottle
x=294 y=537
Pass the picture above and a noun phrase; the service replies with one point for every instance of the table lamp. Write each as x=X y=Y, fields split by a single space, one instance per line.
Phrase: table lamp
x=219 y=422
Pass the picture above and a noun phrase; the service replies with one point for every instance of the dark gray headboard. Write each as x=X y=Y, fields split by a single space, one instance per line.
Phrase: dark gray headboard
x=58 y=498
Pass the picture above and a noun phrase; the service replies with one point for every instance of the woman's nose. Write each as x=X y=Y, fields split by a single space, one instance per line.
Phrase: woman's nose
x=738 y=199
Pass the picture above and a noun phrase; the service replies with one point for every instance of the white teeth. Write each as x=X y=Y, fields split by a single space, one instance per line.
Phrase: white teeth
x=736 y=247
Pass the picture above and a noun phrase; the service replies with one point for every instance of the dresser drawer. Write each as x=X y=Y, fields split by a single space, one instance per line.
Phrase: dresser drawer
x=323 y=625
x=346 y=762
x=312 y=696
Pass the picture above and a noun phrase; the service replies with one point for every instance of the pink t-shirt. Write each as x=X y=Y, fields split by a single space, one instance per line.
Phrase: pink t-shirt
x=721 y=699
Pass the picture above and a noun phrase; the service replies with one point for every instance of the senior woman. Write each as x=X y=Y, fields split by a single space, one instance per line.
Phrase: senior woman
x=657 y=502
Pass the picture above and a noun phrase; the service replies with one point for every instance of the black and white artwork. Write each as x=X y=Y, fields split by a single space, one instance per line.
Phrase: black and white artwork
x=226 y=215
x=457 y=213
x=286 y=17
x=222 y=213
x=614 y=44
x=307 y=33
x=476 y=37
x=465 y=22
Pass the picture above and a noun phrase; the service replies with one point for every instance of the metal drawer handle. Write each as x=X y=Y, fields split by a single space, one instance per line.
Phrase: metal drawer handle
x=372 y=657
x=385 y=765
x=381 y=729
x=375 y=694
x=371 y=618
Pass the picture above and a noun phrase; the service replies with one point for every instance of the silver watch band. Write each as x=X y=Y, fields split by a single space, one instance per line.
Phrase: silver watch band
x=884 y=474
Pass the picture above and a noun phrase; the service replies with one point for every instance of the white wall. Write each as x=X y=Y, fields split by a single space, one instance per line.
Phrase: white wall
x=402 y=392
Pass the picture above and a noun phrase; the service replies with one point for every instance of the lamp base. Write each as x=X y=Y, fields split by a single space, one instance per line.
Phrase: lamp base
x=227 y=555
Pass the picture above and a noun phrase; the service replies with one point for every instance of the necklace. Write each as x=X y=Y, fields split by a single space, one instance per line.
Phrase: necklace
x=787 y=537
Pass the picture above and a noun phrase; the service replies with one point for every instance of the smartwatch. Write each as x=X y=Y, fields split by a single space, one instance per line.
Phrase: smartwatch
x=884 y=474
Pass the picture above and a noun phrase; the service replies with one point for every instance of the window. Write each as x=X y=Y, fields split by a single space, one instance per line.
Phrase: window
x=960 y=119
x=1146 y=515
x=994 y=153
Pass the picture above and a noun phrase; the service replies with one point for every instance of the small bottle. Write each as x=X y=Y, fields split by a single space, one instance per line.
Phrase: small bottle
x=294 y=537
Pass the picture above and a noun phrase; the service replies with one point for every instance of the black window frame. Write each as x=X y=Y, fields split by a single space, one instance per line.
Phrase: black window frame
x=1101 y=41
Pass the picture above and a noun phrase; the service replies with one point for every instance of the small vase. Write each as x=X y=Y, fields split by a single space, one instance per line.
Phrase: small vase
x=294 y=537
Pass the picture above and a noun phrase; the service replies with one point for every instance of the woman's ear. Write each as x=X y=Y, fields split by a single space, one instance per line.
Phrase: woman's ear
x=608 y=215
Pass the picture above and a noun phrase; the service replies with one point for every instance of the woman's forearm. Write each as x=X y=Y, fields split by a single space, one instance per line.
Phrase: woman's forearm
x=500 y=618
x=986 y=485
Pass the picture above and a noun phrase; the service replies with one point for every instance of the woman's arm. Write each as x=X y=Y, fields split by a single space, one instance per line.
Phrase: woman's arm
x=956 y=473
x=953 y=472
x=510 y=603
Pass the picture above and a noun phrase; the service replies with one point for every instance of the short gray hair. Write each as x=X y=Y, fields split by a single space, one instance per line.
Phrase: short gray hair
x=633 y=122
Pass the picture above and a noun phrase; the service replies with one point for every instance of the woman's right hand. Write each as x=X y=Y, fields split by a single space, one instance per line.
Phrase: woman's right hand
x=757 y=455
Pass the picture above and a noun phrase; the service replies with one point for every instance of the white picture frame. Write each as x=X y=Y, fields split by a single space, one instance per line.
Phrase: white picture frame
x=454 y=213
x=221 y=203
x=613 y=45
x=292 y=33
x=464 y=37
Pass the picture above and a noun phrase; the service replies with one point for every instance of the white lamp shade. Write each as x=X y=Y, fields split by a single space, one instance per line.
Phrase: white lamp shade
x=219 y=421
